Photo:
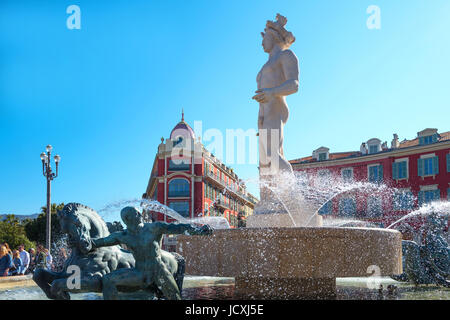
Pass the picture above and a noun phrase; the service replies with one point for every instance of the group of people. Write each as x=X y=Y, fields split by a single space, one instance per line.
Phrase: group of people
x=20 y=262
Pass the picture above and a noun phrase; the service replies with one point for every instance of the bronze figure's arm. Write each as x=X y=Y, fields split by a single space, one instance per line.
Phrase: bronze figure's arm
x=180 y=228
x=110 y=240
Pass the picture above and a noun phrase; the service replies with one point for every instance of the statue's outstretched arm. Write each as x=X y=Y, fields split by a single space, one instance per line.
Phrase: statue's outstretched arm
x=110 y=240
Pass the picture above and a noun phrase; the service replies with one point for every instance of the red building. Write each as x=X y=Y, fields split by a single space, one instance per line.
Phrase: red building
x=189 y=179
x=418 y=169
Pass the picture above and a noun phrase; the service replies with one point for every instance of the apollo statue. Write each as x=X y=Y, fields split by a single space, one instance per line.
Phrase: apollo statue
x=278 y=78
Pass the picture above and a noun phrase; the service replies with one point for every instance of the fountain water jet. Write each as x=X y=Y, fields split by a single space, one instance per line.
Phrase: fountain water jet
x=154 y=205
x=438 y=207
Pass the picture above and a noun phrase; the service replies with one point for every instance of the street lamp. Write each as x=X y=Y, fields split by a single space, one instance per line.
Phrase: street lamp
x=49 y=175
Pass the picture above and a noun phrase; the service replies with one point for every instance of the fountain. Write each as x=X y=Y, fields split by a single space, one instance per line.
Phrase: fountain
x=286 y=252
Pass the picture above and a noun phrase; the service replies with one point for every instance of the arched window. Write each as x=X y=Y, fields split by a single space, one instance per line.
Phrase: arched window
x=179 y=188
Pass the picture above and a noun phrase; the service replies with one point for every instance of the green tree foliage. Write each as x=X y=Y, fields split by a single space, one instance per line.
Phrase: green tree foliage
x=35 y=229
x=13 y=232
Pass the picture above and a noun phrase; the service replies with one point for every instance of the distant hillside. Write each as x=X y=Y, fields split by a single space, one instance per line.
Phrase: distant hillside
x=21 y=217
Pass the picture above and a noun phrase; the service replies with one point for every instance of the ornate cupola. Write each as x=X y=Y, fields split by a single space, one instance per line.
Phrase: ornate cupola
x=182 y=131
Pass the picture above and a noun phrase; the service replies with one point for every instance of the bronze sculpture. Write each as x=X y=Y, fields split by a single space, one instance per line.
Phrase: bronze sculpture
x=82 y=224
x=144 y=239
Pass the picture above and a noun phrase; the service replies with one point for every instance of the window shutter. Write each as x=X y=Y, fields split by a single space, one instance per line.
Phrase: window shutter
x=420 y=197
x=406 y=169
x=448 y=162
x=395 y=170
x=437 y=194
x=434 y=138
x=420 y=167
x=380 y=172
x=395 y=174
x=403 y=171
x=436 y=165
x=421 y=142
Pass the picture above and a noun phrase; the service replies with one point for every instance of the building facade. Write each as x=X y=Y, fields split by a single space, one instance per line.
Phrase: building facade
x=417 y=172
x=190 y=180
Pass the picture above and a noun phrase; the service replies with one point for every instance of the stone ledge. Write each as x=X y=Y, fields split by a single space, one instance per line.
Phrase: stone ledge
x=286 y=288
x=13 y=279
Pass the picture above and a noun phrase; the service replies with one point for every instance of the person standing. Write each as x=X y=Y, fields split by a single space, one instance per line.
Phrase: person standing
x=5 y=261
x=17 y=264
x=25 y=256
x=32 y=265
x=7 y=249
x=41 y=257
x=49 y=259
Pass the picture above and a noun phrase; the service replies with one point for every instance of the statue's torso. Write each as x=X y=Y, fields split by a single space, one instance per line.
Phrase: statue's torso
x=271 y=75
x=145 y=247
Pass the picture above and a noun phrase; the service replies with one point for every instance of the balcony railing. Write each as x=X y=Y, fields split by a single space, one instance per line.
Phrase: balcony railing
x=231 y=188
x=222 y=204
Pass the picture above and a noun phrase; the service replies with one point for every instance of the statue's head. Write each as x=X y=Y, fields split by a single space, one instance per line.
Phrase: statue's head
x=131 y=216
x=81 y=223
x=276 y=34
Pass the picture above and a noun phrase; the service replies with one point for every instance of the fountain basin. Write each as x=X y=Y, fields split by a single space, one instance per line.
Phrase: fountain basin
x=292 y=263
x=281 y=220
x=16 y=281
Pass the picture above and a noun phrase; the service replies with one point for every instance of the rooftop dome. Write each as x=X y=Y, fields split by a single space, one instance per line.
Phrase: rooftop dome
x=182 y=129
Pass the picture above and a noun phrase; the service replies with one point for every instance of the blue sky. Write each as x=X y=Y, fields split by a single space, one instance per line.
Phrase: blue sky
x=104 y=95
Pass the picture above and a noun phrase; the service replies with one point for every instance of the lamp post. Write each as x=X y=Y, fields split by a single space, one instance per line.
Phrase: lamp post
x=49 y=175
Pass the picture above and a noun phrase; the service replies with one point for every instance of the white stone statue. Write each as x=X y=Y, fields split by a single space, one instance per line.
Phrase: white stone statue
x=278 y=78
